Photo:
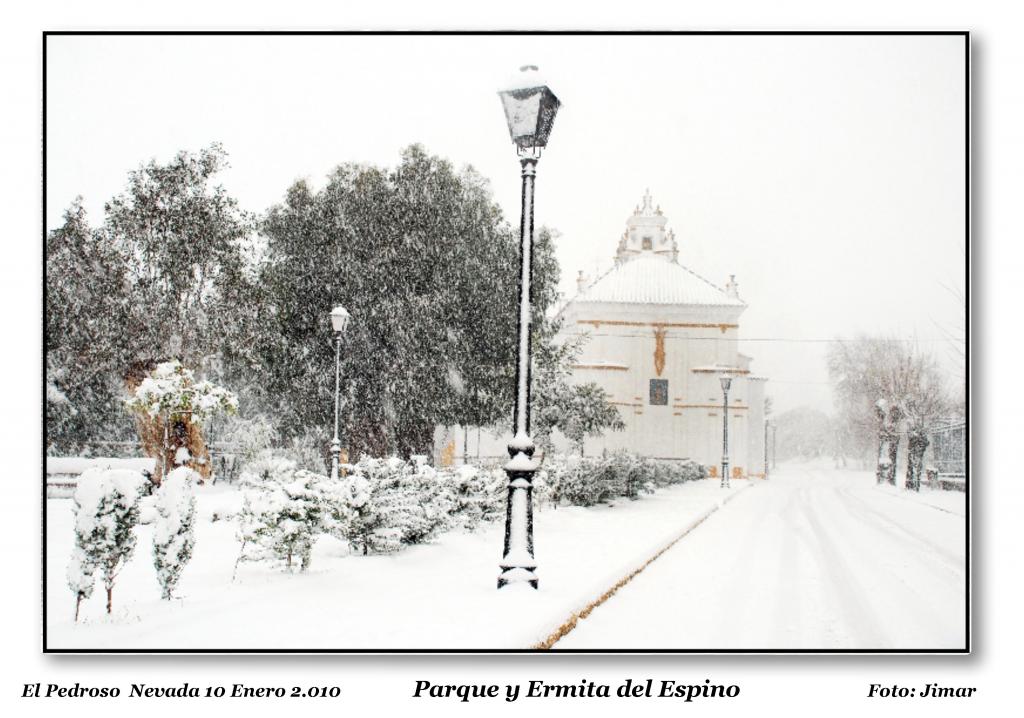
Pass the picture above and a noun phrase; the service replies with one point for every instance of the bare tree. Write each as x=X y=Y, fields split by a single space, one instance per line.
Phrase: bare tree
x=923 y=401
x=884 y=386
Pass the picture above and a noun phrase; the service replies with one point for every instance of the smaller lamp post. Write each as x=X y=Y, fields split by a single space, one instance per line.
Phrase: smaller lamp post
x=726 y=383
x=339 y=321
x=775 y=428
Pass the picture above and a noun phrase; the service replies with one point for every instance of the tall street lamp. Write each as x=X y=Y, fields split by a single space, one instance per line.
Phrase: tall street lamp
x=530 y=109
x=726 y=383
x=339 y=320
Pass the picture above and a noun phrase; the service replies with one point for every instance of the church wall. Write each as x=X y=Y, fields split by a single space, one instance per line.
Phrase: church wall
x=620 y=355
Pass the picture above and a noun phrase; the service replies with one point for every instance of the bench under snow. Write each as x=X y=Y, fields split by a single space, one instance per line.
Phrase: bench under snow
x=62 y=472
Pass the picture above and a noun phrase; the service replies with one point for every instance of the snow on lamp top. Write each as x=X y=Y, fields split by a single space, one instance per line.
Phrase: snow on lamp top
x=339 y=318
x=530 y=108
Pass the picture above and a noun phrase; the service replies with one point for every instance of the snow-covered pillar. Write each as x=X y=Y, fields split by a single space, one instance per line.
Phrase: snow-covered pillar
x=517 y=563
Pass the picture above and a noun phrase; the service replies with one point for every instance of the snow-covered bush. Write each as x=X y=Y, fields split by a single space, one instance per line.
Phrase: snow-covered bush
x=81 y=575
x=581 y=482
x=106 y=511
x=366 y=526
x=390 y=503
x=668 y=473
x=594 y=480
x=174 y=528
x=283 y=512
x=477 y=494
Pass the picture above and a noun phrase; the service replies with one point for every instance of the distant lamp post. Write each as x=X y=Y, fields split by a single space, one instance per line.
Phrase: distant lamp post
x=339 y=321
x=726 y=383
x=775 y=429
x=530 y=109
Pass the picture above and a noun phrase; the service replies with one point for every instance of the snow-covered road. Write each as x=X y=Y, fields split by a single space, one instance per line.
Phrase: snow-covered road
x=813 y=558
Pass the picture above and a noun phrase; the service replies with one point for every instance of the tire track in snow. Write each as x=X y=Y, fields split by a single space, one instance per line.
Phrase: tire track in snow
x=918 y=586
x=793 y=608
x=933 y=552
x=846 y=589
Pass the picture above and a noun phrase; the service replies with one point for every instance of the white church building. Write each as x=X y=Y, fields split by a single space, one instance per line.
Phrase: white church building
x=656 y=336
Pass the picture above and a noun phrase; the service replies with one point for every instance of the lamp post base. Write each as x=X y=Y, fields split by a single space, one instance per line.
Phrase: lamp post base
x=517 y=563
x=335 y=458
x=517 y=574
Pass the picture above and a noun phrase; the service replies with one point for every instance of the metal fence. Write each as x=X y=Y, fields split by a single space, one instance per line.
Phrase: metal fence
x=949 y=455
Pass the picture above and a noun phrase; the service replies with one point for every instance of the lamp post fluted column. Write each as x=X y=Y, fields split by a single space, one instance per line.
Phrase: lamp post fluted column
x=726 y=381
x=336 y=442
x=775 y=428
x=517 y=562
x=339 y=321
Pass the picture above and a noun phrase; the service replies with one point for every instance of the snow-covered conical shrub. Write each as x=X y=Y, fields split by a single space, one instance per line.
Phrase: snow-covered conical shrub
x=282 y=514
x=106 y=511
x=174 y=528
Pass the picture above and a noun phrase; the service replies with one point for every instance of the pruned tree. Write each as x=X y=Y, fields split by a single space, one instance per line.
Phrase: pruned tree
x=170 y=406
x=885 y=388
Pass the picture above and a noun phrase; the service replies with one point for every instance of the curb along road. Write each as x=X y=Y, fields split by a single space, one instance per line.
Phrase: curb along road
x=570 y=623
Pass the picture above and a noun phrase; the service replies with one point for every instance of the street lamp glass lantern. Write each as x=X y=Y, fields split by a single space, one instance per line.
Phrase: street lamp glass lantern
x=339 y=319
x=726 y=382
x=530 y=109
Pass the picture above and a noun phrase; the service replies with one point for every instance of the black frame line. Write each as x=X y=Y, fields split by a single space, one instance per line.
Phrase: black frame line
x=46 y=649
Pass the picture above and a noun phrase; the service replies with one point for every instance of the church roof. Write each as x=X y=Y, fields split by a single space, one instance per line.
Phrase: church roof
x=651 y=279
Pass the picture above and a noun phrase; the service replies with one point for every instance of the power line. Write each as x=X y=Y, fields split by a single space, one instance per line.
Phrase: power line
x=791 y=340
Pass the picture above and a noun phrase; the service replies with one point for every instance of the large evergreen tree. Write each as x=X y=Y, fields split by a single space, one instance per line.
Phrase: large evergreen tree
x=88 y=332
x=181 y=237
x=421 y=257
x=163 y=277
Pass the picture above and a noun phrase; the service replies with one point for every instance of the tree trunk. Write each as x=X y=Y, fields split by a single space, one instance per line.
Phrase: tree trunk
x=917 y=443
x=110 y=598
x=894 y=447
x=78 y=605
x=880 y=463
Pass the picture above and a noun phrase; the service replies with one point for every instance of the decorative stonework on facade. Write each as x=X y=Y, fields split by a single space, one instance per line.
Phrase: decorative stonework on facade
x=659 y=350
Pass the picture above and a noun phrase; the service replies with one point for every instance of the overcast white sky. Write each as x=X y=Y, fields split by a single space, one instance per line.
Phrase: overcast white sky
x=826 y=173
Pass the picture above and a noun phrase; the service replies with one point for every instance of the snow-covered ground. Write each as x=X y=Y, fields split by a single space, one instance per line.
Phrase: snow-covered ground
x=439 y=595
x=812 y=558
